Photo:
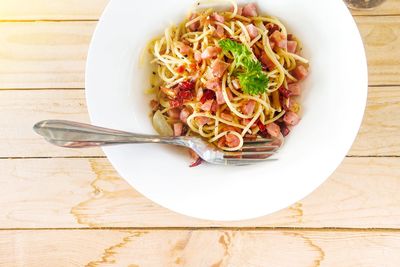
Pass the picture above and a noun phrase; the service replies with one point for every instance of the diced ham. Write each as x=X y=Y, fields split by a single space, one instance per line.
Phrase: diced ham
x=220 y=97
x=266 y=61
x=174 y=113
x=214 y=84
x=196 y=25
x=185 y=113
x=197 y=56
x=197 y=160
x=219 y=67
x=178 y=129
x=250 y=10
x=207 y=105
x=252 y=30
x=240 y=10
x=219 y=31
x=232 y=140
x=284 y=92
x=227 y=117
x=154 y=104
x=278 y=141
x=292 y=46
x=300 y=72
x=273 y=129
x=214 y=107
x=256 y=51
x=291 y=118
x=279 y=39
x=217 y=17
x=248 y=108
x=295 y=89
x=284 y=129
x=184 y=49
x=202 y=120
x=210 y=52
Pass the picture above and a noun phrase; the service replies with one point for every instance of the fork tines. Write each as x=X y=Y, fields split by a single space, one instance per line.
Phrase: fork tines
x=252 y=151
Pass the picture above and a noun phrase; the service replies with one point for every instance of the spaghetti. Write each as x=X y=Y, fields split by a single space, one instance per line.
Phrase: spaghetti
x=227 y=76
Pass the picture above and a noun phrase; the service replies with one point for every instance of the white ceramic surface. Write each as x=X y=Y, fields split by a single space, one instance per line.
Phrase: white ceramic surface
x=334 y=101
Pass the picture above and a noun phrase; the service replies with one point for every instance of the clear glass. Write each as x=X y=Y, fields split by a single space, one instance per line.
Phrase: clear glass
x=363 y=4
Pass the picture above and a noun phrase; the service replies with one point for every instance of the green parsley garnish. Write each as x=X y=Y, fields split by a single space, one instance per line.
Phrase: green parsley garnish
x=249 y=71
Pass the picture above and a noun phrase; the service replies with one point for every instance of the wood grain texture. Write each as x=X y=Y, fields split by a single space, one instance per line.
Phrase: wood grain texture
x=379 y=133
x=49 y=193
x=382 y=44
x=53 y=54
x=44 y=54
x=22 y=108
x=92 y=9
x=199 y=248
x=51 y=10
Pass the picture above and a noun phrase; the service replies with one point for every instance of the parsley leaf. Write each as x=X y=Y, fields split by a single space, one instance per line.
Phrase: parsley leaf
x=249 y=72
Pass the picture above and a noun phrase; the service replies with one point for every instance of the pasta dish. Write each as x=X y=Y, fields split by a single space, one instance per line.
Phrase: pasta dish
x=227 y=76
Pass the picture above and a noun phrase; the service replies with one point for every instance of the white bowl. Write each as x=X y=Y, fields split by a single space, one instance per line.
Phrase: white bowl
x=334 y=101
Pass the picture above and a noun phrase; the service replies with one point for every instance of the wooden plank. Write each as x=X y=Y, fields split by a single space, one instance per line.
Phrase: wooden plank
x=22 y=109
x=199 y=248
x=91 y=9
x=382 y=44
x=53 y=54
x=48 y=193
x=51 y=10
x=44 y=54
x=379 y=133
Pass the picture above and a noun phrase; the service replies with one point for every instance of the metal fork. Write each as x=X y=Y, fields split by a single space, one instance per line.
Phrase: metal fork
x=79 y=135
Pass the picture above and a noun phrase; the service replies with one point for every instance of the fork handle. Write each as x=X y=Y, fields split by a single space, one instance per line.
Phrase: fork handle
x=79 y=135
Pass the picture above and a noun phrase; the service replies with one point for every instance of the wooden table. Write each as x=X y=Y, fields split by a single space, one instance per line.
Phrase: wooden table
x=63 y=207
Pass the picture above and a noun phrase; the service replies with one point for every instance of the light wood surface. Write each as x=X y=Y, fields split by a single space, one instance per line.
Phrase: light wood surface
x=52 y=54
x=19 y=10
x=63 y=207
x=85 y=193
x=212 y=248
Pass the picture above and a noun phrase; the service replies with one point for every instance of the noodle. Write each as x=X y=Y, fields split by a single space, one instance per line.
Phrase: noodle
x=197 y=98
